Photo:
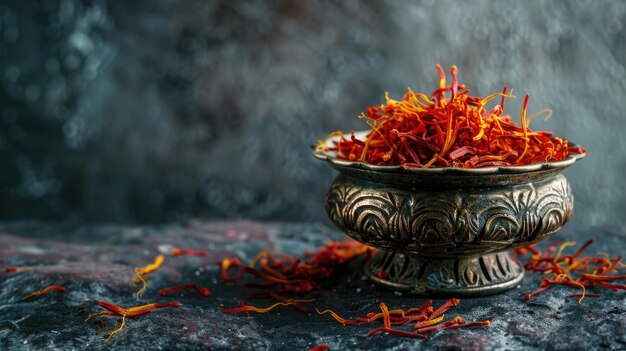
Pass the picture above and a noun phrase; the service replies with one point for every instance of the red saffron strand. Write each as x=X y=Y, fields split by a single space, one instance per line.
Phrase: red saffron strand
x=180 y=252
x=323 y=347
x=443 y=308
x=132 y=312
x=11 y=269
x=396 y=332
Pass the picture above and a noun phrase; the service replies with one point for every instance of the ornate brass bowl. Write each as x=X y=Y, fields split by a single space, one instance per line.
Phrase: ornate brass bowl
x=447 y=231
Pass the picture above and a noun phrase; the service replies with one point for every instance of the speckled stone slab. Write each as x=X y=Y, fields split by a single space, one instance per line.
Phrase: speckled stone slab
x=96 y=263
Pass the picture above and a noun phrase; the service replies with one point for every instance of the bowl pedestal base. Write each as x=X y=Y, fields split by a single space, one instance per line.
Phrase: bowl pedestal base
x=463 y=276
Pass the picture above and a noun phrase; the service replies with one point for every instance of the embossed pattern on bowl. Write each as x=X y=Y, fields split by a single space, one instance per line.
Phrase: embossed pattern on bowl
x=449 y=223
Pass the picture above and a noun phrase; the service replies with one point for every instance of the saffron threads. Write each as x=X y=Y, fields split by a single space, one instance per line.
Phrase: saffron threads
x=427 y=318
x=201 y=291
x=140 y=272
x=44 y=291
x=457 y=130
x=276 y=276
x=179 y=252
x=279 y=275
x=114 y=310
x=575 y=270
x=11 y=269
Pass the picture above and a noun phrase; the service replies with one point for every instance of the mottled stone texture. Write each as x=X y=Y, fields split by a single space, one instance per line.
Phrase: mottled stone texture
x=160 y=110
x=96 y=263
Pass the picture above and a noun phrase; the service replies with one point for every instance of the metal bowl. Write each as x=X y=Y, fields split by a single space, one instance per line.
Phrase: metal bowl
x=447 y=230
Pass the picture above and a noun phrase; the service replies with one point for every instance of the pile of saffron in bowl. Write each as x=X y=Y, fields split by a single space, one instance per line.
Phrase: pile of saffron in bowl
x=449 y=128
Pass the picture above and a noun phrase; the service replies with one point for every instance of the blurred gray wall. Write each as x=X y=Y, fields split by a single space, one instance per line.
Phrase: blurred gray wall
x=150 y=111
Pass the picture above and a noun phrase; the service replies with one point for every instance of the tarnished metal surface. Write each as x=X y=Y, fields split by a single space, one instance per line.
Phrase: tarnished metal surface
x=463 y=276
x=449 y=223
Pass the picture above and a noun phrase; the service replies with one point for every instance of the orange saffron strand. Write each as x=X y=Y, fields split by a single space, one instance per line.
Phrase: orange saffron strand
x=141 y=271
x=386 y=319
x=43 y=291
x=337 y=317
x=249 y=308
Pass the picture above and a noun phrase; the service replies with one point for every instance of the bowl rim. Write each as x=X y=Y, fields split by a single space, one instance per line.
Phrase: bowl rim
x=329 y=157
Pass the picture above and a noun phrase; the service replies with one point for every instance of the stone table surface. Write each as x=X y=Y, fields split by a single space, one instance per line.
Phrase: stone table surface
x=96 y=263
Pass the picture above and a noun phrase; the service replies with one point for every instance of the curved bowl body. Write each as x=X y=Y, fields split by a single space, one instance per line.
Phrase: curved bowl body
x=439 y=223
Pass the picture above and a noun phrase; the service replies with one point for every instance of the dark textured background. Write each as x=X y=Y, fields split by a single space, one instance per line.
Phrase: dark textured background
x=152 y=111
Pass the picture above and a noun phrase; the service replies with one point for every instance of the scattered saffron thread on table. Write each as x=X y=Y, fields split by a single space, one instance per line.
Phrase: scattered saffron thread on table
x=421 y=132
x=277 y=275
x=11 y=269
x=593 y=271
x=132 y=312
x=425 y=319
x=140 y=272
x=44 y=291
x=323 y=347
